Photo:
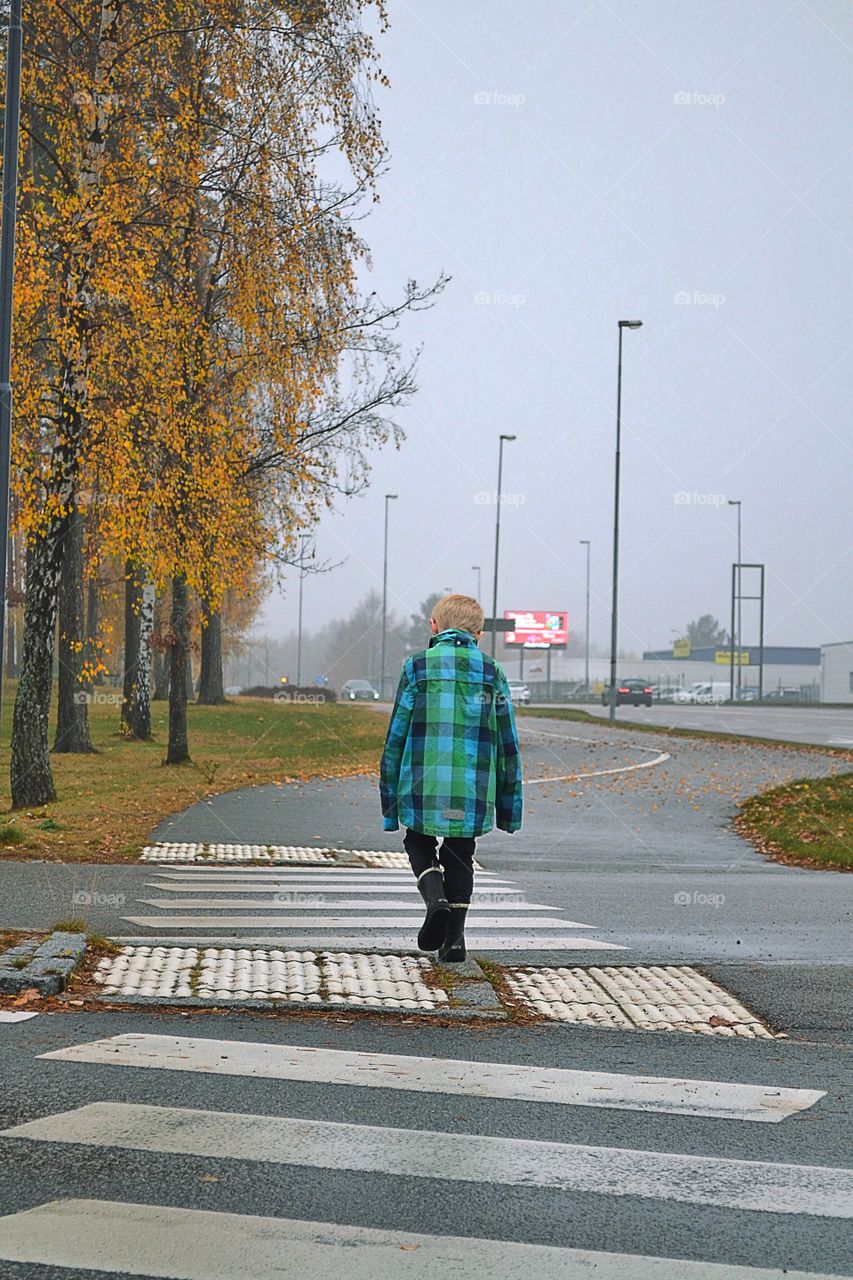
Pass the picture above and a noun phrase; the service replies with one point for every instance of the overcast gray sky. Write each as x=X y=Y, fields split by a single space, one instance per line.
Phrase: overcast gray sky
x=570 y=164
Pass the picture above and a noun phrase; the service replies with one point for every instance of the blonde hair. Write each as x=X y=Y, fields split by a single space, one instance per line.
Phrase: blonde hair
x=461 y=612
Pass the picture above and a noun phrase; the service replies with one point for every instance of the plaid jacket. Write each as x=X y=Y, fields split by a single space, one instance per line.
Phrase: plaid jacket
x=451 y=764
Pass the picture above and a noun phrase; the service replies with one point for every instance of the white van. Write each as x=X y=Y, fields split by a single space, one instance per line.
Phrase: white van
x=704 y=692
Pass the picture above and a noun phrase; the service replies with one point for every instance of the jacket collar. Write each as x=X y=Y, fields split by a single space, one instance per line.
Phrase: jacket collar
x=453 y=636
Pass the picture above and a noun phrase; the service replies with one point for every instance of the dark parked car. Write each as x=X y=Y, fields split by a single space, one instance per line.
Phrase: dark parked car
x=783 y=695
x=358 y=691
x=636 y=693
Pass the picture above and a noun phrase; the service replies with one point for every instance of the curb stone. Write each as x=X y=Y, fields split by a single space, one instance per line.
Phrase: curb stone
x=48 y=965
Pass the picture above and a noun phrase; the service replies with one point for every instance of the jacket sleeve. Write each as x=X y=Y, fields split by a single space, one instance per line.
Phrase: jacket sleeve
x=392 y=754
x=508 y=795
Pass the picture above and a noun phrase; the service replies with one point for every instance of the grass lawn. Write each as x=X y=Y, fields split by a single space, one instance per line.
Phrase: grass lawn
x=809 y=823
x=110 y=802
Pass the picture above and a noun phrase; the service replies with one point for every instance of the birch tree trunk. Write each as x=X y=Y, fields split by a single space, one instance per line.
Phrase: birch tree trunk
x=72 y=720
x=132 y=612
x=178 y=748
x=140 y=709
x=93 y=621
x=138 y=627
x=31 y=775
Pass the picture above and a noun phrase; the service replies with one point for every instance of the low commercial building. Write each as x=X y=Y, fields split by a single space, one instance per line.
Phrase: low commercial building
x=836 y=672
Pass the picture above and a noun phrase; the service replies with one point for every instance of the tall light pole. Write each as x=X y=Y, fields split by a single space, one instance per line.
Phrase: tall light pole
x=736 y=502
x=303 y=538
x=623 y=324
x=479 y=572
x=11 y=121
x=584 y=542
x=497 y=542
x=389 y=497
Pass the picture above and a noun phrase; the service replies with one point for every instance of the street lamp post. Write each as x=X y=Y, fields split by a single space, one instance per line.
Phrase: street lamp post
x=736 y=502
x=623 y=324
x=584 y=542
x=11 y=121
x=479 y=574
x=389 y=497
x=497 y=542
x=302 y=540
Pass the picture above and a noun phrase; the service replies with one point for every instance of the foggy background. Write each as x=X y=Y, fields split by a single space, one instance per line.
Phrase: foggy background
x=572 y=164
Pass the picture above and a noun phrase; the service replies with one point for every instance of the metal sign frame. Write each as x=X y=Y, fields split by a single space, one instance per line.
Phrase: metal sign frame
x=737 y=597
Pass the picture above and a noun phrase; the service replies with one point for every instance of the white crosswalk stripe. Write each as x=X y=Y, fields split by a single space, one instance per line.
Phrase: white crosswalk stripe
x=323 y=1144
x=721 y=1099
x=337 y=907
x=199 y=1244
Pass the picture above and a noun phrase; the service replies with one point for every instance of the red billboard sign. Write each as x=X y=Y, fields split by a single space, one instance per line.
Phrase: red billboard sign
x=538 y=630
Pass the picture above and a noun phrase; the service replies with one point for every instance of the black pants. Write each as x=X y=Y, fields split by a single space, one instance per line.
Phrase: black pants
x=455 y=857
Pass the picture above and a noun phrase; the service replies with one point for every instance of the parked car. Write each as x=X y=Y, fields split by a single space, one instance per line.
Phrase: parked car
x=704 y=692
x=232 y=690
x=635 y=692
x=359 y=691
x=784 y=695
x=519 y=692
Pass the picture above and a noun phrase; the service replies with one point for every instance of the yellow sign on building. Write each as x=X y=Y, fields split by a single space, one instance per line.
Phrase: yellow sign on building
x=723 y=657
x=681 y=648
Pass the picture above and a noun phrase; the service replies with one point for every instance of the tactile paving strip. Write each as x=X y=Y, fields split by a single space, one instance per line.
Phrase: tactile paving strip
x=381 y=858
x=260 y=973
x=271 y=853
x=274 y=854
x=648 y=998
x=391 y=981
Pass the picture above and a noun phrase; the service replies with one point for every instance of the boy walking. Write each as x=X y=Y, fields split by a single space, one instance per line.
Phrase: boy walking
x=450 y=768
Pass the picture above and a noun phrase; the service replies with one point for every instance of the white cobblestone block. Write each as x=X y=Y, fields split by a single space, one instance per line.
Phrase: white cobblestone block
x=654 y=998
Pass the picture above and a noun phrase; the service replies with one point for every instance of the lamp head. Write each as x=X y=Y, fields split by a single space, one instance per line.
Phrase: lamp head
x=630 y=324
x=505 y=437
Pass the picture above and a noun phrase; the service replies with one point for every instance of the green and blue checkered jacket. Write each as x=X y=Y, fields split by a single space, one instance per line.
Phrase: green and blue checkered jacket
x=451 y=765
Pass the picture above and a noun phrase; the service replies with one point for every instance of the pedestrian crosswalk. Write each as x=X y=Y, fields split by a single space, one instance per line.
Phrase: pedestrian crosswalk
x=338 y=908
x=185 y=1242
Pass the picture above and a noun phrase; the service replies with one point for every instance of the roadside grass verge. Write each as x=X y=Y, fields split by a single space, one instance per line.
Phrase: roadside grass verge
x=674 y=731
x=805 y=823
x=109 y=802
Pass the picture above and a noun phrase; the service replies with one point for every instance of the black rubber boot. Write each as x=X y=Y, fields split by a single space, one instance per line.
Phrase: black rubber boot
x=452 y=950
x=434 y=928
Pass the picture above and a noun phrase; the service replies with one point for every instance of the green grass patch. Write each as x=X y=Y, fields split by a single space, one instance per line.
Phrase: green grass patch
x=809 y=822
x=11 y=835
x=109 y=802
